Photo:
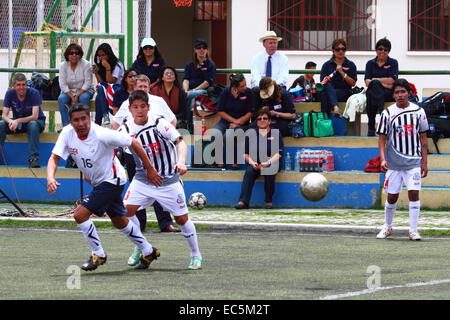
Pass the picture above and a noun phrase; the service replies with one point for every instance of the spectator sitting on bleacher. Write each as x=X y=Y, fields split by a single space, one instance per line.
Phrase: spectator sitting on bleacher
x=307 y=82
x=199 y=74
x=170 y=90
x=126 y=87
x=149 y=60
x=278 y=102
x=28 y=117
x=235 y=108
x=380 y=74
x=108 y=71
x=258 y=163
x=75 y=81
x=344 y=77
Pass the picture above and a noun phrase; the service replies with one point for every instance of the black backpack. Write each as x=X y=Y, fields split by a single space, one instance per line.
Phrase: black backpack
x=438 y=104
x=439 y=128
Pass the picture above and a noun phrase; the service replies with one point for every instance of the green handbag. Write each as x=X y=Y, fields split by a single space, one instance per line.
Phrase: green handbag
x=317 y=124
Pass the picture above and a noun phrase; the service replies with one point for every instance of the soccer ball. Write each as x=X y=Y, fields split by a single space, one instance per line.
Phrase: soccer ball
x=314 y=186
x=197 y=200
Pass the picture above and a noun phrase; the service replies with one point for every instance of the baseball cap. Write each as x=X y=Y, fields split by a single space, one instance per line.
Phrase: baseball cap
x=148 y=42
x=200 y=42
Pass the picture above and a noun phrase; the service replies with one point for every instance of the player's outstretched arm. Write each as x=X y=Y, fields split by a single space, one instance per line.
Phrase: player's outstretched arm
x=52 y=165
x=182 y=152
x=152 y=174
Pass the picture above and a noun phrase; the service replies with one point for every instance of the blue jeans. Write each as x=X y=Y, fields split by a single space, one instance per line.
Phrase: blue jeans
x=189 y=105
x=32 y=128
x=330 y=96
x=64 y=99
x=249 y=181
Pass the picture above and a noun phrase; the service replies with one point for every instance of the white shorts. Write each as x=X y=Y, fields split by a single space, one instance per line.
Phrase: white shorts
x=170 y=197
x=394 y=180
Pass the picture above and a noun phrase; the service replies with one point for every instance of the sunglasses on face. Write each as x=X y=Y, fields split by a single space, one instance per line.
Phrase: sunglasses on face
x=382 y=49
x=74 y=53
x=340 y=49
x=169 y=73
x=200 y=47
x=262 y=118
x=148 y=48
x=131 y=76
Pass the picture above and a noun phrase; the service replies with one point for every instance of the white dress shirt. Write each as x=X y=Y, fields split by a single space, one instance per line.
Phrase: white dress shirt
x=280 y=68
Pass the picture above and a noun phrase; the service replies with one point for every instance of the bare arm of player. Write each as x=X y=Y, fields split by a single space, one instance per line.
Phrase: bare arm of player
x=52 y=164
x=424 y=143
x=182 y=151
x=382 y=150
x=152 y=174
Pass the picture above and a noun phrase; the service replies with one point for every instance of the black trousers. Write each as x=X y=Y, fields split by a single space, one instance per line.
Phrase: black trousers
x=164 y=218
x=376 y=96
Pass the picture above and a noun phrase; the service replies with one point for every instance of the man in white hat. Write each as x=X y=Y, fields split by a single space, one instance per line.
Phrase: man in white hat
x=270 y=62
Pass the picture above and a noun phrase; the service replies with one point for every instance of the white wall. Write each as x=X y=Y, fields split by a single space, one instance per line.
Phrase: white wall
x=249 y=22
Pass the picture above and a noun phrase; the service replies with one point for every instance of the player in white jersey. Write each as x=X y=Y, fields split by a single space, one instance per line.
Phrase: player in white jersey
x=93 y=149
x=167 y=152
x=403 y=150
x=159 y=108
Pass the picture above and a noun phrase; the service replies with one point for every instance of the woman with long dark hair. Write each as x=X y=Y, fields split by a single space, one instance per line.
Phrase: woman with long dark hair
x=108 y=70
x=235 y=108
x=170 y=90
x=149 y=60
x=126 y=88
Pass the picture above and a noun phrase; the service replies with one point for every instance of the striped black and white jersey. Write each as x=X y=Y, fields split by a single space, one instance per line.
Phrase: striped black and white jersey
x=402 y=128
x=158 y=137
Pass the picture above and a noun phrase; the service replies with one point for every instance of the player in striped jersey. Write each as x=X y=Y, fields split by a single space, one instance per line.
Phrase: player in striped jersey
x=93 y=149
x=167 y=152
x=403 y=150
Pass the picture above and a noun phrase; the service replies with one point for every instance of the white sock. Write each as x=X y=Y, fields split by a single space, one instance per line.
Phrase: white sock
x=414 y=213
x=389 y=210
x=133 y=233
x=135 y=220
x=190 y=234
x=91 y=236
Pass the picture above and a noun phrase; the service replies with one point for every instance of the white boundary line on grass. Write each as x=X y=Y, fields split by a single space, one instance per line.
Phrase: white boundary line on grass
x=368 y=291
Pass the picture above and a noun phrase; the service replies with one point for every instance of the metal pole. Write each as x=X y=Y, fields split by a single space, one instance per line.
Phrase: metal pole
x=129 y=33
x=10 y=25
x=107 y=16
x=89 y=15
x=50 y=14
x=148 y=18
x=51 y=114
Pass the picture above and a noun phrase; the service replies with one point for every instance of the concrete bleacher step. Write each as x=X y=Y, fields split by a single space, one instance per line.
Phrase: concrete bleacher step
x=437 y=178
x=439 y=161
x=430 y=198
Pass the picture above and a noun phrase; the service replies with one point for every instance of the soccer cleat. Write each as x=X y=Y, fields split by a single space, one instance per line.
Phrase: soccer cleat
x=196 y=263
x=146 y=260
x=384 y=233
x=134 y=258
x=415 y=236
x=93 y=262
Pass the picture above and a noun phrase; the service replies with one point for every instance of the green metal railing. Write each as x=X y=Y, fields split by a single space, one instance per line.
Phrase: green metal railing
x=53 y=70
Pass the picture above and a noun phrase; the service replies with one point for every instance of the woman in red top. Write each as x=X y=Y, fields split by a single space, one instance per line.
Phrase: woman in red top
x=170 y=90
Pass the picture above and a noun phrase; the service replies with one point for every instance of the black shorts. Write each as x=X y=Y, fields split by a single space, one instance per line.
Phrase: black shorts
x=105 y=198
